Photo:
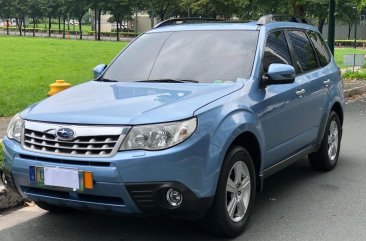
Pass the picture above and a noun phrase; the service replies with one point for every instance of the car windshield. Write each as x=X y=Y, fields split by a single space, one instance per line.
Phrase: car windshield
x=186 y=56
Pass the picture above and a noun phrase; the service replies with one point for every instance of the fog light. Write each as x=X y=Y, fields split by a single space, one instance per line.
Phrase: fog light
x=174 y=197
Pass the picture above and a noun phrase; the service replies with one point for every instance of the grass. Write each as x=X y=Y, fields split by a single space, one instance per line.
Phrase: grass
x=29 y=65
x=340 y=52
x=339 y=57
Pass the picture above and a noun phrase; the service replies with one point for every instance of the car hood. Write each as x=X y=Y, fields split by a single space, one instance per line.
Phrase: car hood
x=127 y=103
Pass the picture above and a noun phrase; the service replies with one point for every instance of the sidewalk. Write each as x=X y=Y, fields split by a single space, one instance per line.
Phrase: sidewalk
x=351 y=88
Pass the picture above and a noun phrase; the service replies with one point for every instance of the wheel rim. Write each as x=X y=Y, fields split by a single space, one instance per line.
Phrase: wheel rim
x=333 y=141
x=238 y=191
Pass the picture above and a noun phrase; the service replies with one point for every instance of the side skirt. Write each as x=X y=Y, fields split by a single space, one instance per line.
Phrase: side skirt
x=288 y=161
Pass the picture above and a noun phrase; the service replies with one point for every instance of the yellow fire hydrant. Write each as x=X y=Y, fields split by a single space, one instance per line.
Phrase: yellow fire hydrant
x=59 y=86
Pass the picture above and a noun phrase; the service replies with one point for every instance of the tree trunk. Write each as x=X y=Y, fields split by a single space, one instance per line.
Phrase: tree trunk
x=24 y=27
x=117 y=31
x=349 y=30
x=49 y=26
x=80 y=29
x=99 y=22
x=59 y=23
x=73 y=26
x=64 y=29
x=321 y=24
x=136 y=22
x=68 y=23
x=19 y=25
x=298 y=8
x=162 y=16
x=45 y=23
x=7 y=27
x=95 y=24
x=34 y=27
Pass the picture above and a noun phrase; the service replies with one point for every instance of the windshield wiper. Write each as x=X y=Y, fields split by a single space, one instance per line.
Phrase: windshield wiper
x=107 y=80
x=170 y=81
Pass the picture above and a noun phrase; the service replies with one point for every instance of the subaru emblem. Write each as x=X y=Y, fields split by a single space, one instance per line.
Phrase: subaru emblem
x=65 y=134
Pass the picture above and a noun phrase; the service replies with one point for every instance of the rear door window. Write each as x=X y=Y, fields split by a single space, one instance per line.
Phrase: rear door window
x=306 y=60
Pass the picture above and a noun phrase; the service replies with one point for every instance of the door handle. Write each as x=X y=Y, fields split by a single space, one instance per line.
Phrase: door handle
x=300 y=92
x=327 y=83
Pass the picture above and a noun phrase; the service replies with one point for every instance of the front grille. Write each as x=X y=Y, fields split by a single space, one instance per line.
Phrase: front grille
x=97 y=141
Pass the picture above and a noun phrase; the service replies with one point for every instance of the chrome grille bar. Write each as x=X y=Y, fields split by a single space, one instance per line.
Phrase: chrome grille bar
x=90 y=141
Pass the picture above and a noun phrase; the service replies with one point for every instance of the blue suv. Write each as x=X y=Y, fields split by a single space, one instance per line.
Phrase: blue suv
x=187 y=121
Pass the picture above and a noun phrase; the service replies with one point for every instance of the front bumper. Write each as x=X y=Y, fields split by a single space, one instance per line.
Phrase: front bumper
x=131 y=182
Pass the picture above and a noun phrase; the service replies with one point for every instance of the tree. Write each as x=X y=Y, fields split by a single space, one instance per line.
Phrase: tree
x=137 y=6
x=50 y=9
x=220 y=8
x=34 y=11
x=20 y=12
x=79 y=9
x=98 y=6
x=120 y=10
x=6 y=12
x=348 y=12
x=161 y=8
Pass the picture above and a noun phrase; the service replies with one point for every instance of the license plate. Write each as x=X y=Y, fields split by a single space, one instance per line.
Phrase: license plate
x=57 y=177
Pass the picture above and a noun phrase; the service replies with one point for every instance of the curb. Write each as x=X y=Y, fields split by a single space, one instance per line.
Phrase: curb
x=354 y=91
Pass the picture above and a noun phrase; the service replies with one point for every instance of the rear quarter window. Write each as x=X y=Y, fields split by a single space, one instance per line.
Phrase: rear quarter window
x=320 y=48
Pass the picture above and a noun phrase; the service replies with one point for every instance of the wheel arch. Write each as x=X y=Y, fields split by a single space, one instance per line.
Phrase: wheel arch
x=337 y=108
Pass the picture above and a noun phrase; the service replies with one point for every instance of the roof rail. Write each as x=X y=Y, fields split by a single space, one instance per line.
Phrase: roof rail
x=281 y=18
x=176 y=21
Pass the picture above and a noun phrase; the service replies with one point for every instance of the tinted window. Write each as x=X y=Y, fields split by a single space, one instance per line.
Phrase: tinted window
x=321 y=48
x=204 y=56
x=276 y=50
x=306 y=60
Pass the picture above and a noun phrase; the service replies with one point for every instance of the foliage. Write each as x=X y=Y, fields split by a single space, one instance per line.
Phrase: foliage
x=357 y=75
x=163 y=9
x=340 y=52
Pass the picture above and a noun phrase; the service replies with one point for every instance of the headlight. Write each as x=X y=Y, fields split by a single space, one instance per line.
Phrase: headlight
x=15 y=128
x=160 y=136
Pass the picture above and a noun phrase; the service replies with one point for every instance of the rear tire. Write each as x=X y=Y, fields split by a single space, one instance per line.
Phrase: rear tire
x=326 y=158
x=235 y=195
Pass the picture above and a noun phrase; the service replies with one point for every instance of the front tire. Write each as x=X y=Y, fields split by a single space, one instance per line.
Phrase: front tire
x=326 y=158
x=235 y=195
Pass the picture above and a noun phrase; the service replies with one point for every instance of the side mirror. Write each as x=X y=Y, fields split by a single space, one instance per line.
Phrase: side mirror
x=98 y=70
x=279 y=74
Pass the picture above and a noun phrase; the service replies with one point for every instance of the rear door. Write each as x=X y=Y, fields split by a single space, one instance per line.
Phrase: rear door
x=320 y=86
x=312 y=80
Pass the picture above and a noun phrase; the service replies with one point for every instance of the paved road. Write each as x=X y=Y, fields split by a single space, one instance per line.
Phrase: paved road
x=296 y=204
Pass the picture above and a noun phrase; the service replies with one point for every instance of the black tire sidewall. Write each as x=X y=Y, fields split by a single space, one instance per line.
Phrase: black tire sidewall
x=320 y=160
x=333 y=117
x=235 y=155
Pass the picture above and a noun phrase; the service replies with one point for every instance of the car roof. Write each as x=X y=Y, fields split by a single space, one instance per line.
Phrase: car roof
x=249 y=26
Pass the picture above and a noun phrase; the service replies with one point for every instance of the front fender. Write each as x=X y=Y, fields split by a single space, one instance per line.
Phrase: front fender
x=223 y=135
